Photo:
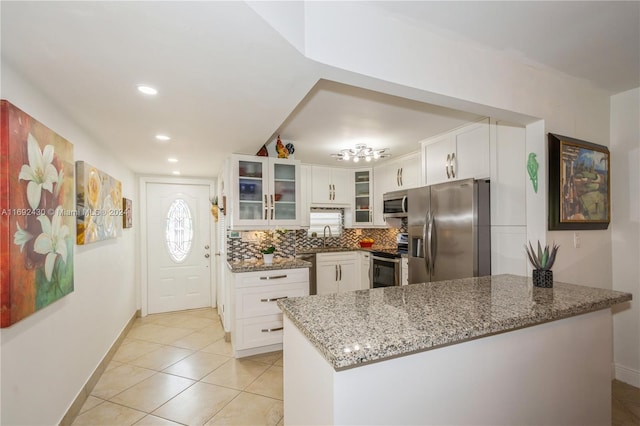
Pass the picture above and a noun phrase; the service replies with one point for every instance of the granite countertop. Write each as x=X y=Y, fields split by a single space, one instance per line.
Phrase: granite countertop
x=354 y=328
x=334 y=249
x=259 y=265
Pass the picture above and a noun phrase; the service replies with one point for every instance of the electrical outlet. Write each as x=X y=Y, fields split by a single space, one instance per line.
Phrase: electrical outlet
x=576 y=240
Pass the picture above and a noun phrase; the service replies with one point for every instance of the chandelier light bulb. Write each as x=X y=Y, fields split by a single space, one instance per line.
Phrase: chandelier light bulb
x=368 y=158
x=356 y=159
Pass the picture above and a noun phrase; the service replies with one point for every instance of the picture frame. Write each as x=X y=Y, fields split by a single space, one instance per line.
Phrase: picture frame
x=579 y=184
x=127 y=215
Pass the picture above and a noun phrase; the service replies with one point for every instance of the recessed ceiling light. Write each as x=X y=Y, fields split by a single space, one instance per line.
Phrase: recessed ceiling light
x=147 y=90
x=176 y=172
x=162 y=137
x=172 y=160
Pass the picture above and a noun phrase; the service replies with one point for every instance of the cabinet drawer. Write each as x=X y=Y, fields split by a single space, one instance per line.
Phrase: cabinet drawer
x=257 y=301
x=259 y=331
x=276 y=276
x=337 y=257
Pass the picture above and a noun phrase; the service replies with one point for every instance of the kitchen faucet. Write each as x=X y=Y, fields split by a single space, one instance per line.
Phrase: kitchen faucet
x=324 y=235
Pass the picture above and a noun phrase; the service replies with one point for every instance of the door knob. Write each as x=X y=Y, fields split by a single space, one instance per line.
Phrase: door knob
x=206 y=247
x=206 y=255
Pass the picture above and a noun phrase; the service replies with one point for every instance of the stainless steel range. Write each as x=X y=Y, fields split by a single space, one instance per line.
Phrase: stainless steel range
x=386 y=265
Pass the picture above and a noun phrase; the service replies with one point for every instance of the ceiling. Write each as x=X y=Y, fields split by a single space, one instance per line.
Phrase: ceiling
x=228 y=82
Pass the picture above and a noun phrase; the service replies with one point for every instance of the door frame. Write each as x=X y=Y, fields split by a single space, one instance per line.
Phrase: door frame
x=142 y=292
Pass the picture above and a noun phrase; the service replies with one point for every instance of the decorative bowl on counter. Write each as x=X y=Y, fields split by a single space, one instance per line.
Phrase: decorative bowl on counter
x=365 y=244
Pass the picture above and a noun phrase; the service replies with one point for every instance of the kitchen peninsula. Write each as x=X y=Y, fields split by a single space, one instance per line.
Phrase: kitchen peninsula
x=490 y=350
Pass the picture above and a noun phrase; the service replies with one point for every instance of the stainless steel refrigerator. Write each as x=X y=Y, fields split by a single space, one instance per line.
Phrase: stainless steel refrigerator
x=449 y=228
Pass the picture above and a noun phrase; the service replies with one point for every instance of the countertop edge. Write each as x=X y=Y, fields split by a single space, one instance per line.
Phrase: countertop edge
x=259 y=265
x=479 y=331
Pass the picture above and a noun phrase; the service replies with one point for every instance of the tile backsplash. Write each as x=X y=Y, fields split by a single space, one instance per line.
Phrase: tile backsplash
x=286 y=242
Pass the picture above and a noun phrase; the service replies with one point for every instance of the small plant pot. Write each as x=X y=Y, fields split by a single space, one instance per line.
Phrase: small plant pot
x=268 y=258
x=543 y=278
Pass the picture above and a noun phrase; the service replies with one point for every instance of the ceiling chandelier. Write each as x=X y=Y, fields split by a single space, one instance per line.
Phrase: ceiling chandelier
x=361 y=152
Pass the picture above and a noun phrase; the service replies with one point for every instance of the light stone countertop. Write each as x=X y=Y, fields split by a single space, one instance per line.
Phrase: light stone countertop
x=354 y=328
x=259 y=265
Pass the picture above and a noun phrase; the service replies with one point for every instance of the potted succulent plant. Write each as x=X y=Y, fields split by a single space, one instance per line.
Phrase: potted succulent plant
x=542 y=261
x=267 y=254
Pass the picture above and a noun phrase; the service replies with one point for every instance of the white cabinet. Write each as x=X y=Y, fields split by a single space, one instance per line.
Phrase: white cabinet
x=507 y=253
x=337 y=272
x=256 y=320
x=362 y=197
x=460 y=154
x=264 y=192
x=330 y=186
x=365 y=268
x=509 y=177
x=401 y=173
x=404 y=271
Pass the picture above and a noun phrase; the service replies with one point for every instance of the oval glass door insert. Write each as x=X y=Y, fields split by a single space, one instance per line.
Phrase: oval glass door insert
x=179 y=230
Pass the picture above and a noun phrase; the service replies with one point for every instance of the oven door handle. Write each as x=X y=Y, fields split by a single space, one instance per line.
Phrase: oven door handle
x=386 y=259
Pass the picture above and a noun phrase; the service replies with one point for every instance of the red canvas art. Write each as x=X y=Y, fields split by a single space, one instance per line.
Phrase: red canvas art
x=37 y=207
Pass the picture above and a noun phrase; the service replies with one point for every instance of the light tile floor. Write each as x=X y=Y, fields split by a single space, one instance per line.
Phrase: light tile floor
x=176 y=368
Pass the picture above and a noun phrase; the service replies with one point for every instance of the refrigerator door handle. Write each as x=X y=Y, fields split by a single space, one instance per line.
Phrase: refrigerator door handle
x=424 y=242
x=404 y=204
x=433 y=242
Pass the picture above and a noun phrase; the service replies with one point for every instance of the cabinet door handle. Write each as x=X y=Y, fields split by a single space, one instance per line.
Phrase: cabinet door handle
x=340 y=269
x=329 y=192
x=273 y=277
x=398 y=177
x=266 y=206
x=336 y=272
x=401 y=180
x=453 y=165
x=273 y=207
x=269 y=330
x=446 y=167
x=275 y=299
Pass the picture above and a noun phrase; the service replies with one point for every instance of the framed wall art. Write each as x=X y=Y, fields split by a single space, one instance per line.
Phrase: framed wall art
x=127 y=216
x=579 y=184
x=99 y=205
x=36 y=215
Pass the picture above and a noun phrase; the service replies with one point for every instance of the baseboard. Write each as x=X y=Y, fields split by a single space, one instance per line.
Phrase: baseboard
x=84 y=393
x=628 y=375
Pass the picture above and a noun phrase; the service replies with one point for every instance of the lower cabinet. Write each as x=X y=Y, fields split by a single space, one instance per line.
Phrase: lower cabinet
x=337 y=272
x=404 y=271
x=256 y=320
x=365 y=270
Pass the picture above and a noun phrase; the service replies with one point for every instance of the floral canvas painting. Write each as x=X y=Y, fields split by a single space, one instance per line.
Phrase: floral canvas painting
x=36 y=215
x=99 y=204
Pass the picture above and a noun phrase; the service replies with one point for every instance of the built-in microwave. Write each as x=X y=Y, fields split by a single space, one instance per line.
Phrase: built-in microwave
x=395 y=204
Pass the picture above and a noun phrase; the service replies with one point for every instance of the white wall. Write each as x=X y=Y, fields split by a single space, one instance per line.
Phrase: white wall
x=48 y=357
x=625 y=230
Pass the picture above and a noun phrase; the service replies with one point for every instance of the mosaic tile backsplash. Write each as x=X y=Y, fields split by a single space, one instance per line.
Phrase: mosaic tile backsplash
x=286 y=242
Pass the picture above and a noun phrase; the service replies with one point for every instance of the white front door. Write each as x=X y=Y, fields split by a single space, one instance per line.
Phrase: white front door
x=178 y=247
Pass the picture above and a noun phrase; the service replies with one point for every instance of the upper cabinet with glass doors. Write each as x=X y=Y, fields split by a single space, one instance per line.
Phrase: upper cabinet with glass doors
x=363 y=204
x=264 y=192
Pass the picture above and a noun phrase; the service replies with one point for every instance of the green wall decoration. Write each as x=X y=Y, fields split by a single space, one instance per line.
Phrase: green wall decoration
x=532 y=169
